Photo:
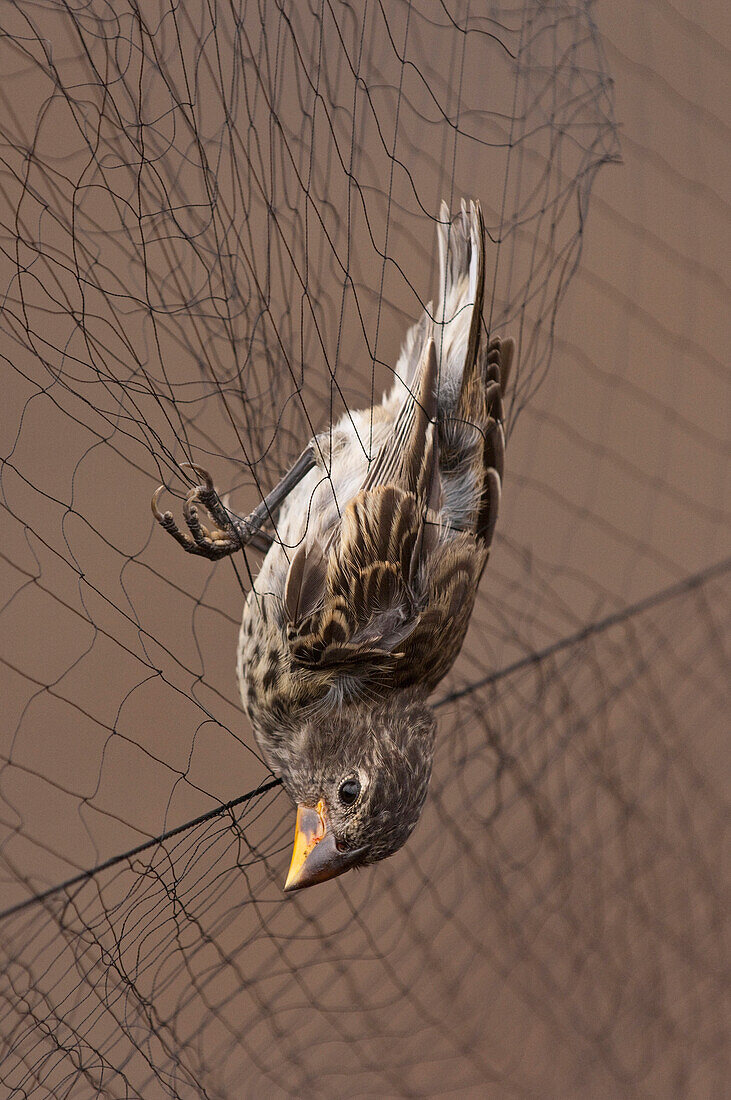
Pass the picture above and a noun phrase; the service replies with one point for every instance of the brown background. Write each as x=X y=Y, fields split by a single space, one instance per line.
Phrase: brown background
x=556 y=926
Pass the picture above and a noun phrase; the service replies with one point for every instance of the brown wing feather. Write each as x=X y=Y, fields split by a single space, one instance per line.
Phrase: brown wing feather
x=368 y=606
x=431 y=649
x=355 y=612
x=305 y=584
x=408 y=457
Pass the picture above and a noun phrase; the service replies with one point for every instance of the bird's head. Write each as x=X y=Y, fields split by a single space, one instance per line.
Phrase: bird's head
x=359 y=777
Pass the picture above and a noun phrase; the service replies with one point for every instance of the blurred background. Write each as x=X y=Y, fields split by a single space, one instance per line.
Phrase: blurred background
x=216 y=225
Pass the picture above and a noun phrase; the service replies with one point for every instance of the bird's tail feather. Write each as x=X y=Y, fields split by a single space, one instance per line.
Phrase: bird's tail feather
x=461 y=285
x=455 y=322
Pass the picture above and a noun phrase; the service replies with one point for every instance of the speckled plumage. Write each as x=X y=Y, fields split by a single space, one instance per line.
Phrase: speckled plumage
x=353 y=627
x=363 y=601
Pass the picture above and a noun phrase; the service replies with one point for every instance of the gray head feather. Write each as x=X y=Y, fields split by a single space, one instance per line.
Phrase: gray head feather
x=388 y=747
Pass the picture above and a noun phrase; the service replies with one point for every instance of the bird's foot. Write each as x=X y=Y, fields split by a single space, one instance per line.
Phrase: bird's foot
x=229 y=534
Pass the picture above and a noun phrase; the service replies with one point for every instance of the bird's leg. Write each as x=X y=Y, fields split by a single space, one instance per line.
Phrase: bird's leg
x=231 y=532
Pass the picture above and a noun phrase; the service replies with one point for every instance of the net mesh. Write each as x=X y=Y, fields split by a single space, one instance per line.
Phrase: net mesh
x=217 y=223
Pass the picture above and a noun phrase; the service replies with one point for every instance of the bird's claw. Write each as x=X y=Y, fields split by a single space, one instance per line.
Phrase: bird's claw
x=161 y=517
x=221 y=540
x=202 y=474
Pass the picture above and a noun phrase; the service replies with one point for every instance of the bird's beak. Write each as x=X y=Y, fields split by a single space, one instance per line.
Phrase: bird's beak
x=316 y=857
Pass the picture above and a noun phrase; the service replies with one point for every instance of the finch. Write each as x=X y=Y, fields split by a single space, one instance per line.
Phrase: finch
x=361 y=605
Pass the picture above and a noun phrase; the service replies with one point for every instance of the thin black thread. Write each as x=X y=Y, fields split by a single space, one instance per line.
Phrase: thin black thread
x=695 y=580
x=84 y=876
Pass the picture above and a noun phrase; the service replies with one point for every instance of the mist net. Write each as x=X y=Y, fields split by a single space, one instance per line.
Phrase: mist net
x=218 y=221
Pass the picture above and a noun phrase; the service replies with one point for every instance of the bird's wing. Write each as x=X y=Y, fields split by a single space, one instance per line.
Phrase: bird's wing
x=471 y=446
x=408 y=458
x=452 y=580
x=455 y=564
x=351 y=606
x=366 y=607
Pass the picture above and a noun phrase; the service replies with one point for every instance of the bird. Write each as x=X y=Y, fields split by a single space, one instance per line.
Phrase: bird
x=362 y=602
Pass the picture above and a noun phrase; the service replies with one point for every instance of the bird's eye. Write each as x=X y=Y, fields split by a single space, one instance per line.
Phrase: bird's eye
x=349 y=791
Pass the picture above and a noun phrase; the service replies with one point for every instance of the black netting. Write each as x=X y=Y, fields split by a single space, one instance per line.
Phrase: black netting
x=217 y=222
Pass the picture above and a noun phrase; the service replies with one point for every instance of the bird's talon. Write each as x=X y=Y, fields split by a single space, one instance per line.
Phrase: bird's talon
x=214 y=543
x=159 y=516
x=200 y=472
x=228 y=533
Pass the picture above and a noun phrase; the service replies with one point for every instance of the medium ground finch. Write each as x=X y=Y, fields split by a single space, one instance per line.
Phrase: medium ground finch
x=383 y=528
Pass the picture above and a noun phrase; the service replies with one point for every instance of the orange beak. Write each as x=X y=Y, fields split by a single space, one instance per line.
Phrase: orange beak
x=316 y=857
